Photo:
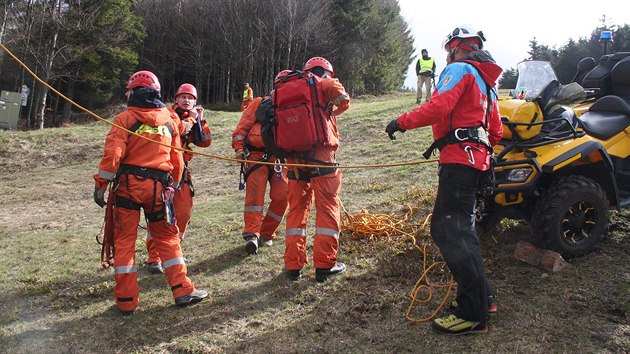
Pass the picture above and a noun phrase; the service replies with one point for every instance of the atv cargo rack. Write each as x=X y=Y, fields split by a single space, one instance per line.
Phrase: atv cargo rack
x=559 y=129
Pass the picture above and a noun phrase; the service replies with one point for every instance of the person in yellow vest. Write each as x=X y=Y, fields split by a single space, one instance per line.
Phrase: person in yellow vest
x=248 y=96
x=425 y=70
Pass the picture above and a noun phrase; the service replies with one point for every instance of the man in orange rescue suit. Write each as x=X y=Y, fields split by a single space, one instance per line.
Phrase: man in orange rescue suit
x=323 y=184
x=144 y=174
x=248 y=144
x=464 y=115
x=248 y=96
x=193 y=129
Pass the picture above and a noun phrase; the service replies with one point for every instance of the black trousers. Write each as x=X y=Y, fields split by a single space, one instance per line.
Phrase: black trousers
x=453 y=230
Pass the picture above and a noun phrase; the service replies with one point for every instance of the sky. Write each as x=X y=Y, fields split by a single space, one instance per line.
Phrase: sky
x=509 y=26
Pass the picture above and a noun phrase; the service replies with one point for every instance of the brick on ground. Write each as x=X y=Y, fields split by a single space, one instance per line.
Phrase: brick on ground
x=547 y=260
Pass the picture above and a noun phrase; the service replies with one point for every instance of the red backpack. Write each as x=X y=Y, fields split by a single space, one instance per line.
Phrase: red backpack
x=301 y=121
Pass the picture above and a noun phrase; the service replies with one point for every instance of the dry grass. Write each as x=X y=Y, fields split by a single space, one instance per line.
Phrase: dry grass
x=58 y=299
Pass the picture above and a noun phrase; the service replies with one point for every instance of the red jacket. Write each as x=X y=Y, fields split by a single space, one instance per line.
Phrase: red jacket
x=122 y=147
x=460 y=101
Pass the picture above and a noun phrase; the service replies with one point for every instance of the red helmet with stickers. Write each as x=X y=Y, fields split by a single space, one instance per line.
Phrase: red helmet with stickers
x=281 y=74
x=186 y=88
x=321 y=62
x=144 y=78
x=464 y=37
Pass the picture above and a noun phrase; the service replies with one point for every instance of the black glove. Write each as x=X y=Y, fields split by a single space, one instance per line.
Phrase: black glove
x=99 y=197
x=393 y=127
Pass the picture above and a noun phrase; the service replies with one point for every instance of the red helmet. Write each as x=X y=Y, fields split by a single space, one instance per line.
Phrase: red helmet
x=186 y=88
x=144 y=78
x=283 y=73
x=321 y=62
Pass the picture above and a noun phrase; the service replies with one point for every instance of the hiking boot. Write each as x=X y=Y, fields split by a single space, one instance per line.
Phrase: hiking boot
x=191 y=298
x=418 y=101
x=156 y=268
x=492 y=305
x=453 y=325
x=251 y=244
x=263 y=242
x=294 y=275
x=322 y=274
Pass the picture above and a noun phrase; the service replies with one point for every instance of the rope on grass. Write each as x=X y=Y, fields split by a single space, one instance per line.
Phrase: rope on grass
x=365 y=225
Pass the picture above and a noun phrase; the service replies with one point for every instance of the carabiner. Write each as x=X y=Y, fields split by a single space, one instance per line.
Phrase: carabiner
x=277 y=168
x=471 y=156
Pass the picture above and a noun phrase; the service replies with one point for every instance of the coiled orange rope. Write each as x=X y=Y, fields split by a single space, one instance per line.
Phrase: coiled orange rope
x=371 y=226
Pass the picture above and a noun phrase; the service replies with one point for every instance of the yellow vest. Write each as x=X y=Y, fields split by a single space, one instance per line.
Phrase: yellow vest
x=426 y=65
x=246 y=93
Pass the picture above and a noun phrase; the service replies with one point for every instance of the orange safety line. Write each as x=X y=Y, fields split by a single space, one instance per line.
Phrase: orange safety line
x=366 y=225
x=197 y=152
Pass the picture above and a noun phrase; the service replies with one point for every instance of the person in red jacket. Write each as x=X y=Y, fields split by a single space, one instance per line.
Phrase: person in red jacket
x=193 y=129
x=319 y=184
x=464 y=115
x=248 y=144
x=144 y=174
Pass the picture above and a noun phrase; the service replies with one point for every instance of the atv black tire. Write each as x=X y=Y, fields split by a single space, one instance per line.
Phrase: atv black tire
x=571 y=217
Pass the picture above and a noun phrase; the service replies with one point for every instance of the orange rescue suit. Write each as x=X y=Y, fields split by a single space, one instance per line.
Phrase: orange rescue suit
x=183 y=199
x=127 y=152
x=248 y=96
x=246 y=136
x=324 y=186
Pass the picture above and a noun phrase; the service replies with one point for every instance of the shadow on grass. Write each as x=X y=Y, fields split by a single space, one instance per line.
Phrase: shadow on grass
x=214 y=265
x=60 y=310
x=359 y=311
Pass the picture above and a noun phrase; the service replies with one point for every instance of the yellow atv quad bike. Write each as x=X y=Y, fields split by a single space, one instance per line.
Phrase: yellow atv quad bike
x=560 y=171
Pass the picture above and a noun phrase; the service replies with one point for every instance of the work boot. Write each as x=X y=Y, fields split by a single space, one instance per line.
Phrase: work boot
x=251 y=244
x=492 y=305
x=156 y=268
x=322 y=274
x=264 y=242
x=294 y=275
x=453 y=325
x=191 y=298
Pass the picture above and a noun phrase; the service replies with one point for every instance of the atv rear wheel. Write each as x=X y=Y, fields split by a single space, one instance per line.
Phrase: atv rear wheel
x=572 y=216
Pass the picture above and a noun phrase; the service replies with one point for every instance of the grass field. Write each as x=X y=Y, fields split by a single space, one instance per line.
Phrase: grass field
x=58 y=299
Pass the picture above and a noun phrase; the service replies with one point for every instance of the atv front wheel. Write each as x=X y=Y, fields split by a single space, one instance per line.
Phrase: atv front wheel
x=572 y=216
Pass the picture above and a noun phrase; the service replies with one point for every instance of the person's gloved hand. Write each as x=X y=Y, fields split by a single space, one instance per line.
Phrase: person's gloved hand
x=99 y=197
x=239 y=154
x=393 y=127
x=433 y=76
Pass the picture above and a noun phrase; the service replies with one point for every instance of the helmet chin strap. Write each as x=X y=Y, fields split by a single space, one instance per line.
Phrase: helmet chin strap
x=451 y=53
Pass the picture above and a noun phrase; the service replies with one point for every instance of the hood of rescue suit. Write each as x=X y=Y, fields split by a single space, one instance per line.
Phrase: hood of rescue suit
x=149 y=102
x=485 y=64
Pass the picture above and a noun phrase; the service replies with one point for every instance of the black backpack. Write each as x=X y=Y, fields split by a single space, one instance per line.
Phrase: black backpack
x=266 y=117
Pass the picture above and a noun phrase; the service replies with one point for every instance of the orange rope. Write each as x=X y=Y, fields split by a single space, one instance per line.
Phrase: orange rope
x=366 y=225
x=192 y=151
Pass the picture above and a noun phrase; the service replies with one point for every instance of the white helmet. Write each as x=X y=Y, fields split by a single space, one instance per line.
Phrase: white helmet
x=462 y=33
